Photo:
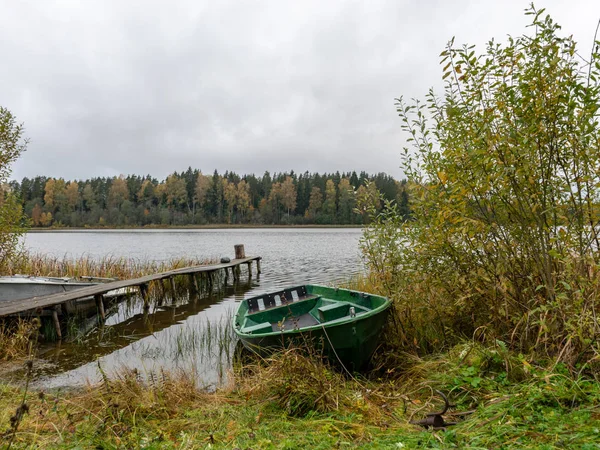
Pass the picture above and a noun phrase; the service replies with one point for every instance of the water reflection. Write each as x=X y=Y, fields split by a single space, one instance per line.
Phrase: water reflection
x=191 y=334
x=188 y=332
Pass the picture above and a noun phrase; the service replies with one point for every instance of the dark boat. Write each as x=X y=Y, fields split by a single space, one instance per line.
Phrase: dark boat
x=344 y=324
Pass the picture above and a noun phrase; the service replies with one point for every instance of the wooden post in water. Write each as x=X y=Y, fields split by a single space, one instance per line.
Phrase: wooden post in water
x=196 y=286
x=198 y=281
x=145 y=296
x=100 y=305
x=240 y=253
x=249 y=270
x=173 y=290
x=56 y=321
x=163 y=292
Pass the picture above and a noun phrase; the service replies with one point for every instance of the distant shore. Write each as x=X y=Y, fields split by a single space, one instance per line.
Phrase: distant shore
x=183 y=227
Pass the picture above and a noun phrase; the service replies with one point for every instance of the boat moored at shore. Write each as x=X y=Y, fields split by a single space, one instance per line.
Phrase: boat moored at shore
x=344 y=324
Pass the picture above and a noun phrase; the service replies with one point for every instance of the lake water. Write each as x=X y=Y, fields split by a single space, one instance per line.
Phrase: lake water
x=183 y=333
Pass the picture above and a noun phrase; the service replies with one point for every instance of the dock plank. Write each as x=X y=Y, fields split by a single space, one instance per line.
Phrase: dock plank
x=9 y=307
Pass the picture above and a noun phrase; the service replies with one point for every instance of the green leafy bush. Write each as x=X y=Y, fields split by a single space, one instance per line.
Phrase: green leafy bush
x=503 y=171
x=12 y=144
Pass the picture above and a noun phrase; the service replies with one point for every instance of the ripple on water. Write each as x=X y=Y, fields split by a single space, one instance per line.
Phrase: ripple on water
x=186 y=335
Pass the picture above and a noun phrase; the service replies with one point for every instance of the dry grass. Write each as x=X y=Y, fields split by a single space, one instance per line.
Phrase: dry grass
x=296 y=382
x=107 y=267
x=110 y=411
x=301 y=384
x=293 y=401
x=167 y=409
x=17 y=337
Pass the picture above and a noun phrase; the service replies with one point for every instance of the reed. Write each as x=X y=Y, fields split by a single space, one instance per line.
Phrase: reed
x=16 y=337
x=210 y=339
x=36 y=264
x=209 y=343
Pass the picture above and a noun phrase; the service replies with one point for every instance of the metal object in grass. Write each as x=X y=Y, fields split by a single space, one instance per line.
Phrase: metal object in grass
x=435 y=420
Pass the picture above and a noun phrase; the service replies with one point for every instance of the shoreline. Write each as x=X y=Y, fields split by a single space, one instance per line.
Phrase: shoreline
x=184 y=227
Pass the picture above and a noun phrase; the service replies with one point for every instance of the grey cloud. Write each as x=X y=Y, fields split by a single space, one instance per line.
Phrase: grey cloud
x=108 y=87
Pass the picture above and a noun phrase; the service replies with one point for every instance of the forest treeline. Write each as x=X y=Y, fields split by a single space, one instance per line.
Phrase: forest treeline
x=193 y=198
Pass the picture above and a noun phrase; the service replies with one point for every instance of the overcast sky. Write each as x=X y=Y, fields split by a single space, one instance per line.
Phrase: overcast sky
x=150 y=87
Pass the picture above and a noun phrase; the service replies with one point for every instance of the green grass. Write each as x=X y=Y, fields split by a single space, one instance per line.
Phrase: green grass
x=293 y=401
x=516 y=404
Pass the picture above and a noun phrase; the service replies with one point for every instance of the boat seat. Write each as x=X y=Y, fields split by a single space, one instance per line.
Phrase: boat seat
x=286 y=297
x=268 y=303
x=333 y=311
x=264 y=327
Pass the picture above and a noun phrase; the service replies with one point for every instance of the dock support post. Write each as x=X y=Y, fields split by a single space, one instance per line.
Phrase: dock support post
x=162 y=294
x=100 y=305
x=145 y=296
x=240 y=253
x=197 y=287
x=56 y=322
x=173 y=290
x=198 y=281
x=195 y=284
x=258 y=266
x=209 y=277
x=249 y=270
x=235 y=271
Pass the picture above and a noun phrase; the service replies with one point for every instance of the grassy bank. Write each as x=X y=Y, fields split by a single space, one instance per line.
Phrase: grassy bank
x=291 y=402
x=295 y=401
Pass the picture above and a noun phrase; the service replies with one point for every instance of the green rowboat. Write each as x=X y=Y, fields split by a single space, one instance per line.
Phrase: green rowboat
x=344 y=324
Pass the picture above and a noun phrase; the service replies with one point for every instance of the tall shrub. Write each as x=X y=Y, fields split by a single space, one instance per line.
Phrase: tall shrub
x=505 y=172
x=12 y=145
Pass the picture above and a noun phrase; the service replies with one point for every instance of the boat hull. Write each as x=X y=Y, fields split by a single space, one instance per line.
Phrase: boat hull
x=21 y=287
x=351 y=344
x=350 y=341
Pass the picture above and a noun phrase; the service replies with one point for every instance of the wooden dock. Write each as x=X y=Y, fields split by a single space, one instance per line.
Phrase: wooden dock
x=38 y=305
